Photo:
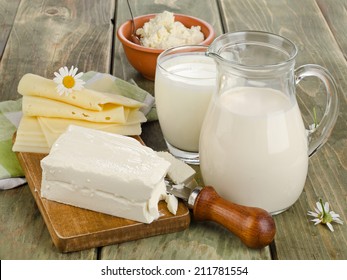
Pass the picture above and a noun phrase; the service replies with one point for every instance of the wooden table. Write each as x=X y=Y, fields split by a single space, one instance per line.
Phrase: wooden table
x=41 y=36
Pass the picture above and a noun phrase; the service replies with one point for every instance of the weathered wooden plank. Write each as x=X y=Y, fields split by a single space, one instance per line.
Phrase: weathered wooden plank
x=8 y=10
x=201 y=240
x=23 y=232
x=49 y=34
x=335 y=13
x=304 y=24
x=45 y=36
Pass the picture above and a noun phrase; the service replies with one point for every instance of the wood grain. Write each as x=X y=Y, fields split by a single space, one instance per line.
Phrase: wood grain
x=8 y=10
x=202 y=241
x=50 y=34
x=335 y=13
x=24 y=236
x=296 y=237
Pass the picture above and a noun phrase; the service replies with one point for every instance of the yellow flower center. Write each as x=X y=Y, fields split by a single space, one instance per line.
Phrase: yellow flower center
x=68 y=82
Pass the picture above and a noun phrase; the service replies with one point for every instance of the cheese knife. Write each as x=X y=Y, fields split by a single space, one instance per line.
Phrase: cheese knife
x=254 y=226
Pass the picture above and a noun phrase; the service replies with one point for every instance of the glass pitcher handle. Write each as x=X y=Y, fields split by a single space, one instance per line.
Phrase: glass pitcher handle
x=319 y=135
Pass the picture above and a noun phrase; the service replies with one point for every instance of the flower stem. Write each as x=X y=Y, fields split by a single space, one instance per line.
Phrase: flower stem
x=321 y=203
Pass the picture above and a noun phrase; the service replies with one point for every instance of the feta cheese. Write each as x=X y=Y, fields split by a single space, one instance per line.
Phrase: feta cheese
x=163 y=32
x=172 y=203
x=104 y=172
x=179 y=172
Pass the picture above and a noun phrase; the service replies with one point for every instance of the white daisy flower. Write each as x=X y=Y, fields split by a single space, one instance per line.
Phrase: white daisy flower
x=67 y=80
x=322 y=215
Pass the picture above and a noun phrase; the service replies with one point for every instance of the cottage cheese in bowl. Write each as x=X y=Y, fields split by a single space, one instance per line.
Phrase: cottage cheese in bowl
x=163 y=32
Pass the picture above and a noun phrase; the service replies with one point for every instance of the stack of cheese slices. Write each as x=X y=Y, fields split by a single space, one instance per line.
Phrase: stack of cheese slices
x=46 y=114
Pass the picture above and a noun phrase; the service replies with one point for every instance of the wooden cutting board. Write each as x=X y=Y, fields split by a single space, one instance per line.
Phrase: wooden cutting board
x=74 y=229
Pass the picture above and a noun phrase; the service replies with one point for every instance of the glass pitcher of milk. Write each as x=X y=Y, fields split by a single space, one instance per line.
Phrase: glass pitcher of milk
x=254 y=147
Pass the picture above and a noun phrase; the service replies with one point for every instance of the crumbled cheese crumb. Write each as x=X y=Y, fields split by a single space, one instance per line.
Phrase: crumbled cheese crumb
x=172 y=203
x=163 y=32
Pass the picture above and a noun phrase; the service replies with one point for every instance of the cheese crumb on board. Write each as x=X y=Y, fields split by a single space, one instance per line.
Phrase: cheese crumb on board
x=172 y=203
x=105 y=172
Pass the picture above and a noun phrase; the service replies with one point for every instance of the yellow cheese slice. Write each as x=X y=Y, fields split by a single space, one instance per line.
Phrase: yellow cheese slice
x=37 y=134
x=29 y=137
x=29 y=126
x=34 y=85
x=44 y=107
x=52 y=128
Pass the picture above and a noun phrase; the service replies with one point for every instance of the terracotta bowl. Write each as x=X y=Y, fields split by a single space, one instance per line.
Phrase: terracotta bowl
x=144 y=59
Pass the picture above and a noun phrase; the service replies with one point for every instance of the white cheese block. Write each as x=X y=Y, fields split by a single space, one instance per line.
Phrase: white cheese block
x=85 y=160
x=99 y=201
x=179 y=171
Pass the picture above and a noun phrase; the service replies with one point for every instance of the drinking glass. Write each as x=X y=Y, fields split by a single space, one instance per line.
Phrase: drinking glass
x=184 y=82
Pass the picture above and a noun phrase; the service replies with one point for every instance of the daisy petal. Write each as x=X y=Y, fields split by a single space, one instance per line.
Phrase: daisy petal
x=338 y=220
x=330 y=226
x=62 y=71
x=319 y=207
x=72 y=71
x=56 y=79
x=66 y=71
x=334 y=215
x=57 y=74
x=79 y=75
x=317 y=221
x=326 y=207
x=313 y=214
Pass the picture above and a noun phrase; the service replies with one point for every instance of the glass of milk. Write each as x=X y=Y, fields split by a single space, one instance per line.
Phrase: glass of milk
x=184 y=82
x=254 y=147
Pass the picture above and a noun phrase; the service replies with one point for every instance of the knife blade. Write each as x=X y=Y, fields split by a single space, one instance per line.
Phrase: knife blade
x=254 y=226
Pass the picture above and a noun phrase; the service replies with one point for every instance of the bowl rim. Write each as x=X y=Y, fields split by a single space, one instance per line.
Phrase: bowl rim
x=129 y=43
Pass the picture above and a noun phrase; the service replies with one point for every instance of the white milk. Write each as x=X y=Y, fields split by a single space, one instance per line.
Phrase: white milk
x=253 y=148
x=182 y=98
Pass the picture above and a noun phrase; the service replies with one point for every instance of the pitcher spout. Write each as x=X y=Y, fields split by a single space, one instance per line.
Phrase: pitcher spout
x=212 y=54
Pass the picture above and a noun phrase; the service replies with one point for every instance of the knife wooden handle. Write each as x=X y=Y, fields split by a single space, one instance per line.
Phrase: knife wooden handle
x=254 y=226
